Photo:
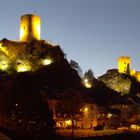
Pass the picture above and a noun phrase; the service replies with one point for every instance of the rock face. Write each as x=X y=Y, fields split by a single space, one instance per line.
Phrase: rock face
x=116 y=81
x=30 y=55
x=23 y=94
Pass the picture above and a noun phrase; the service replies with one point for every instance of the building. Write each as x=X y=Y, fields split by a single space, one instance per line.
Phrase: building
x=124 y=67
x=30 y=27
x=89 y=119
x=84 y=113
x=19 y=55
x=124 y=64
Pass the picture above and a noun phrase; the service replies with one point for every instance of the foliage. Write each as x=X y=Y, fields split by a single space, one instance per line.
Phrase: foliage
x=69 y=106
x=23 y=112
x=76 y=66
x=119 y=82
x=30 y=53
x=89 y=75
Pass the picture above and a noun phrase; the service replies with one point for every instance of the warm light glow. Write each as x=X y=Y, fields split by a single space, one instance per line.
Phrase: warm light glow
x=22 y=69
x=124 y=64
x=135 y=127
x=57 y=124
x=30 y=27
x=86 y=80
x=23 y=66
x=4 y=65
x=38 y=29
x=21 y=33
x=137 y=75
x=4 y=62
x=47 y=61
x=87 y=84
x=86 y=109
x=132 y=72
x=3 y=49
x=68 y=122
x=109 y=115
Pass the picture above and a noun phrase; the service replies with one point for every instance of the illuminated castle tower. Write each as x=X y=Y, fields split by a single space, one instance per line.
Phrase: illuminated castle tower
x=124 y=64
x=29 y=27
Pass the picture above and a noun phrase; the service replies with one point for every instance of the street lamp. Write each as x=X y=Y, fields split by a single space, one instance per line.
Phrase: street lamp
x=87 y=83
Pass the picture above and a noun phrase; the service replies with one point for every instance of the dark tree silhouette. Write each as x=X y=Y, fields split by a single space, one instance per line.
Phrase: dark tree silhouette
x=76 y=66
x=90 y=76
x=72 y=102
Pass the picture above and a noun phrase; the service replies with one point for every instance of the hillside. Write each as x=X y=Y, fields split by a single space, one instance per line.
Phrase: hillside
x=122 y=83
x=31 y=72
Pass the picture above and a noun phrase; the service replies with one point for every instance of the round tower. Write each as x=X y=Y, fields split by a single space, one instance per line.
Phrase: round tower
x=30 y=27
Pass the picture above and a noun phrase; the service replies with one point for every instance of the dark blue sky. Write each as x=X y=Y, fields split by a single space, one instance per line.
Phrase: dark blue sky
x=92 y=32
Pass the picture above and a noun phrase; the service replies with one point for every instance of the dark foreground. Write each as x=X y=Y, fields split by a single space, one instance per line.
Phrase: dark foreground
x=124 y=136
x=42 y=136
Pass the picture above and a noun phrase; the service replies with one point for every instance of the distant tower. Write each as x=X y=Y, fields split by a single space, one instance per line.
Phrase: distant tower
x=124 y=64
x=30 y=27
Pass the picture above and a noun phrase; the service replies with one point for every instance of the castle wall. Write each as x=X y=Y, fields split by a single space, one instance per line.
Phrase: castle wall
x=137 y=75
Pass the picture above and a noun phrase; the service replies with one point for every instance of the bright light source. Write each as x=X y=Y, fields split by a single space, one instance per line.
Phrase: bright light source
x=86 y=109
x=47 y=61
x=22 y=69
x=4 y=65
x=21 y=33
x=23 y=66
x=38 y=29
x=109 y=115
x=3 y=49
x=87 y=84
x=16 y=104
x=86 y=80
x=135 y=127
x=68 y=122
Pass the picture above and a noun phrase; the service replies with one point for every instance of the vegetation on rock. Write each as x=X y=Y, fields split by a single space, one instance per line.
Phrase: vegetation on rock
x=122 y=83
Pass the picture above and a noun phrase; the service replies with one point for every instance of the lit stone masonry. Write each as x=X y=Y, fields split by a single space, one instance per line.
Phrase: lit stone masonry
x=30 y=27
x=30 y=53
x=124 y=67
x=124 y=64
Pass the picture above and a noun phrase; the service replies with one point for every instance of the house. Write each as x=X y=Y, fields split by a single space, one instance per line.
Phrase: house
x=70 y=105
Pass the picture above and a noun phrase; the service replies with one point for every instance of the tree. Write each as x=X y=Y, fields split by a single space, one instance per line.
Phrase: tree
x=23 y=110
x=89 y=75
x=88 y=78
x=76 y=66
x=72 y=102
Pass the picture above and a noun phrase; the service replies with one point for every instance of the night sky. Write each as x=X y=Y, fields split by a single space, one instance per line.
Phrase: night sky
x=92 y=32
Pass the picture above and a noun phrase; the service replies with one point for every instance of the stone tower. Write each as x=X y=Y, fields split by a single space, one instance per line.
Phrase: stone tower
x=124 y=64
x=30 y=27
